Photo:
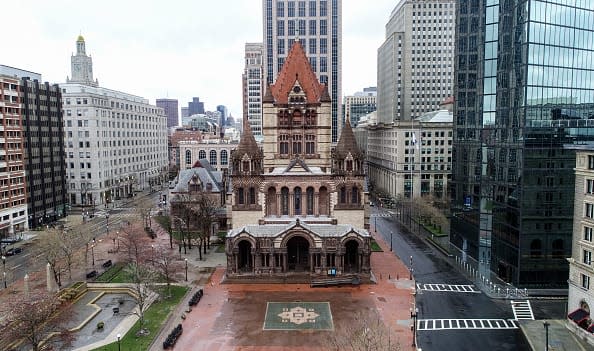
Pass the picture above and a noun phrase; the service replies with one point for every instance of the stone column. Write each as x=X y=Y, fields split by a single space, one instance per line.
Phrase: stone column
x=236 y=263
x=316 y=208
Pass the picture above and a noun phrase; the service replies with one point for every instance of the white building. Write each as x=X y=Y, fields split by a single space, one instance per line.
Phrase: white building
x=581 y=268
x=216 y=151
x=317 y=24
x=115 y=143
x=415 y=62
x=253 y=87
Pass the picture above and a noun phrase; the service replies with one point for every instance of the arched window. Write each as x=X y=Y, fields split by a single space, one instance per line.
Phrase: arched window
x=285 y=201
x=201 y=154
x=342 y=195
x=240 y=199
x=558 y=251
x=213 y=158
x=355 y=195
x=323 y=202
x=252 y=196
x=349 y=165
x=271 y=202
x=188 y=157
x=536 y=248
x=297 y=197
x=246 y=166
x=224 y=158
x=310 y=201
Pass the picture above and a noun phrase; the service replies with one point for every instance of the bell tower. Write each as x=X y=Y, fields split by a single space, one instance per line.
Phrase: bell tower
x=81 y=65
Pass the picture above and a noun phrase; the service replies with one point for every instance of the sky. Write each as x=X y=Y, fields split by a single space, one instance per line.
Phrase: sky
x=176 y=49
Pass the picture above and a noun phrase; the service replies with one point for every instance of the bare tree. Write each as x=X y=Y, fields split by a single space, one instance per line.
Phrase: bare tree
x=143 y=279
x=206 y=215
x=38 y=321
x=133 y=239
x=145 y=207
x=51 y=244
x=166 y=264
x=364 y=333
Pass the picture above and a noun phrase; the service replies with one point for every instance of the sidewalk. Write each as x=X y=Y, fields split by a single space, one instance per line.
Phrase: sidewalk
x=560 y=338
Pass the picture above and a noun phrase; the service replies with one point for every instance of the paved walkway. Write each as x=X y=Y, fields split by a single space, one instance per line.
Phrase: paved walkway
x=560 y=338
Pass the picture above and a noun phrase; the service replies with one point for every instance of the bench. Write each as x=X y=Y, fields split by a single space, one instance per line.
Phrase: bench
x=335 y=282
x=107 y=264
x=92 y=274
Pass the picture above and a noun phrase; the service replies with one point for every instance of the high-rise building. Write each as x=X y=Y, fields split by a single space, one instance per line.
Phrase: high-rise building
x=170 y=106
x=195 y=107
x=358 y=105
x=222 y=109
x=317 y=24
x=415 y=63
x=524 y=92
x=43 y=146
x=184 y=112
x=253 y=87
x=116 y=143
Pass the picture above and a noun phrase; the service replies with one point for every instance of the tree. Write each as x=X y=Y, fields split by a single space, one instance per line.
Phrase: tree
x=364 y=333
x=38 y=320
x=52 y=244
x=133 y=239
x=165 y=263
x=206 y=215
x=143 y=278
x=145 y=207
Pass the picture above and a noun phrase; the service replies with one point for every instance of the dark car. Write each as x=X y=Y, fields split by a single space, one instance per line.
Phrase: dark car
x=14 y=251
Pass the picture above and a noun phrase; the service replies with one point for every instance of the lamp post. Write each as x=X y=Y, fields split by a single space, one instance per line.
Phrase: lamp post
x=4 y=263
x=413 y=314
x=391 y=247
x=411 y=269
x=119 y=336
x=118 y=237
x=186 y=260
x=546 y=325
x=93 y=252
x=107 y=225
x=375 y=223
x=4 y=278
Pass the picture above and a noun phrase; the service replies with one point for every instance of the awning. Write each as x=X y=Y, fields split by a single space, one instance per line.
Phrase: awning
x=578 y=315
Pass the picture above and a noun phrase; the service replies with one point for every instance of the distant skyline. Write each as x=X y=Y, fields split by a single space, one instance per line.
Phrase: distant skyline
x=175 y=50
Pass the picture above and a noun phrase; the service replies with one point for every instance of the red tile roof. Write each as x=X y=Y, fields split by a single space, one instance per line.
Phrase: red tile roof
x=297 y=67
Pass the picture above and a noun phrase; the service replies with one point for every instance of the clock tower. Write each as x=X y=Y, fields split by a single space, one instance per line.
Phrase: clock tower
x=81 y=65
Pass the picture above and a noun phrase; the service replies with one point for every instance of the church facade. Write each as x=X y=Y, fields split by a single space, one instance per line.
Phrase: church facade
x=298 y=206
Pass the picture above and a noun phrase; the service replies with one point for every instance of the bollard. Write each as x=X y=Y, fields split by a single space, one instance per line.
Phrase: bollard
x=525 y=292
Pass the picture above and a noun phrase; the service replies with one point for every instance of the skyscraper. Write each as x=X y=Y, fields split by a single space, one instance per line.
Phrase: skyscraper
x=317 y=24
x=195 y=106
x=170 y=106
x=415 y=62
x=253 y=87
x=524 y=94
x=222 y=109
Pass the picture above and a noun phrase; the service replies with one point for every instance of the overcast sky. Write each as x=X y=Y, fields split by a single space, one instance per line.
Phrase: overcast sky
x=176 y=49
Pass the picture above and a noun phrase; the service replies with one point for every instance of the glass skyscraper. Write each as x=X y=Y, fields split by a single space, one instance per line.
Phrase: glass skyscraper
x=524 y=90
x=317 y=24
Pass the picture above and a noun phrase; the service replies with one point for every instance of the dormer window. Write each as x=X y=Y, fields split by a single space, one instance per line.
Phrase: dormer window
x=246 y=166
x=349 y=165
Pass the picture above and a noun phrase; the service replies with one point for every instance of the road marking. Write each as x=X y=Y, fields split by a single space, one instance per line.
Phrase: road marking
x=455 y=324
x=383 y=215
x=457 y=288
x=522 y=310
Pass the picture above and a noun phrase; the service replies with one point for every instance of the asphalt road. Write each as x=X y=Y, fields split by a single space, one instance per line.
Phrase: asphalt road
x=31 y=260
x=432 y=267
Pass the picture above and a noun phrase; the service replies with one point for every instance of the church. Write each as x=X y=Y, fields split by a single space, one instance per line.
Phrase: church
x=299 y=207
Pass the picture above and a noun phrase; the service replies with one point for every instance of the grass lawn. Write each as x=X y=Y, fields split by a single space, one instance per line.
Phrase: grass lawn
x=154 y=317
x=108 y=275
x=375 y=246
x=220 y=249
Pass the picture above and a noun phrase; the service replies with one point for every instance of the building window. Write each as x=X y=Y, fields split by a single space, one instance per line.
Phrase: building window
x=240 y=196
x=213 y=158
x=589 y=210
x=587 y=257
x=588 y=234
x=558 y=251
x=224 y=158
x=355 y=196
x=536 y=248
x=297 y=196
x=201 y=154
x=252 y=196
x=589 y=186
x=342 y=195
x=188 y=157
x=591 y=162
x=585 y=282
x=310 y=200
x=285 y=201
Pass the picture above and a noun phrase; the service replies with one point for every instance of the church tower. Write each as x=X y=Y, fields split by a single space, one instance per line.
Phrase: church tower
x=81 y=65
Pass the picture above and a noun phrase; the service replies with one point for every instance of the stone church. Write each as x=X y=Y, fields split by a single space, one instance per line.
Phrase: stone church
x=299 y=207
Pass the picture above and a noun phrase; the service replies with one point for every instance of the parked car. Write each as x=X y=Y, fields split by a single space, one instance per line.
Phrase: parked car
x=14 y=251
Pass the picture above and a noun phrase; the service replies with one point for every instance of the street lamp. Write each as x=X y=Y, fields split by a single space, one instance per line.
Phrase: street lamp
x=411 y=269
x=546 y=326
x=413 y=315
x=119 y=336
x=375 y=224
x=118 y=237
x=4 y=276
x=391 y=247
x=186 y=260
x=4 y=262
x=93 y=252
x=107 y=226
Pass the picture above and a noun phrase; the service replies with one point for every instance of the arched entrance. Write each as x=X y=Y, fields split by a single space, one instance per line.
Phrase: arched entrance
x=298 y=254
x=351 y=257
x=244 y=257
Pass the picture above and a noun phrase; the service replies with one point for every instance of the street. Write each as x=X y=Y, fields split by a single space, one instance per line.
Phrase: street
x=452 y=313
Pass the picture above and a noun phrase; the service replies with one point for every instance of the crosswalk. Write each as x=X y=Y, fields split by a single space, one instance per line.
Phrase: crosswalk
x=453 y=324
x=522 y=310
x=382 y=215
x=457 y=288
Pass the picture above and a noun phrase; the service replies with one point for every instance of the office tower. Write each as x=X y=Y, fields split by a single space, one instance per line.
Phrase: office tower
x=116 y=144
x=524 y=95
x=415 y=62
x=195 y=107
x=184 y=112
x=222 y=109
x=253 y=87
x=170 y=106
x=358 y=105
x=43 y=147
x=317 y=24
